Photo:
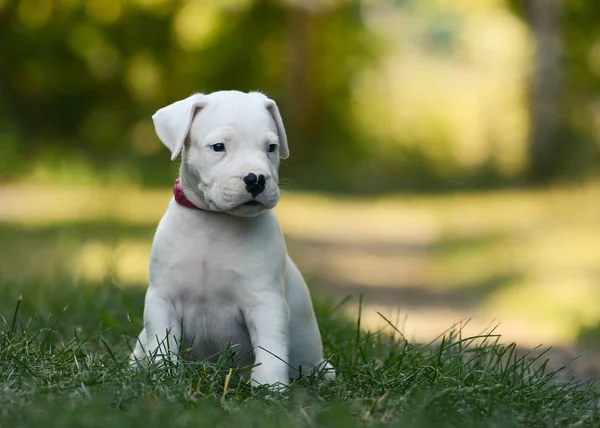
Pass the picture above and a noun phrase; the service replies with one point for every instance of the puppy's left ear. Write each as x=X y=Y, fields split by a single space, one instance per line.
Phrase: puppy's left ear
x=172 y=123
x=273 y=110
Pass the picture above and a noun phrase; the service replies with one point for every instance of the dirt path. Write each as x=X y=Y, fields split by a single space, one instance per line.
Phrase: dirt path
x=342 y=270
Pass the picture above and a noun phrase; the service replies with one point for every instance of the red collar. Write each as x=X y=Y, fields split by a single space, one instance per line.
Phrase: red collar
x=180 y=196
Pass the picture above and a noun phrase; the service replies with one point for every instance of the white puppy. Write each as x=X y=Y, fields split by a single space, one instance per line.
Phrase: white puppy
x=219 y=271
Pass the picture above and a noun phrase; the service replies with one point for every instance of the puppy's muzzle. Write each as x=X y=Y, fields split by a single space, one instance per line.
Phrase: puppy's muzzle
x=255 y=184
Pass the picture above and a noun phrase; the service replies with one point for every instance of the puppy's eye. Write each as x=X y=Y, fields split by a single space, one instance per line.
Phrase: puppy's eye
x=272 y=148
x=219 y=147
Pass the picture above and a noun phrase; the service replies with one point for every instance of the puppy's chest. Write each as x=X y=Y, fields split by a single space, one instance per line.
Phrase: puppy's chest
x=218 y=259
x=215 y=264
x=219 y=276
x=210 y=326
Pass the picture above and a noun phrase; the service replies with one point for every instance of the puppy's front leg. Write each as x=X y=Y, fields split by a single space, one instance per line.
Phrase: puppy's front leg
x=267 y=323
x=162 y=328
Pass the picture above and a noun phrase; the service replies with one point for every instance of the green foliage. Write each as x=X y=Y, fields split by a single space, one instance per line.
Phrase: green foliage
x=578 y=36
x=79 y=81
x=75 y=81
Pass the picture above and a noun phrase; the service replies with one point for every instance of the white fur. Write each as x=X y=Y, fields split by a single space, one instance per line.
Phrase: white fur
x=221 y=275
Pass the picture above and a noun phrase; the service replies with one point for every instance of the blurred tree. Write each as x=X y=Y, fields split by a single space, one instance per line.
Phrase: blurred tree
x=564 y=86
x=82 y=78
x=546 y=86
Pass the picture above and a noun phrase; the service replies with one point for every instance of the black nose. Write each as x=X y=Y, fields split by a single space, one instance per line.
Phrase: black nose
x=254 y=184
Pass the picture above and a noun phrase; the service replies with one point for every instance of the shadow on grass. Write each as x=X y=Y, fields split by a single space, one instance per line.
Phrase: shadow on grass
x=109 y=229
x=81 y=309
x=45 y=259
x=396 y=247
x=454 y=296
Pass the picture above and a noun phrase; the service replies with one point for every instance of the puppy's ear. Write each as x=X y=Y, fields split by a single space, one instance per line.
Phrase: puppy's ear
x=271 y=107
x=172 y=123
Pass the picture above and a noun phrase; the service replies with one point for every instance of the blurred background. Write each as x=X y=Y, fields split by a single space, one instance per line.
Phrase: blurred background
x=445 y=154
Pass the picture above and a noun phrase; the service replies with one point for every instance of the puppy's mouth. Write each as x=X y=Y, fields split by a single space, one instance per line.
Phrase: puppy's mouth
x=252 y=203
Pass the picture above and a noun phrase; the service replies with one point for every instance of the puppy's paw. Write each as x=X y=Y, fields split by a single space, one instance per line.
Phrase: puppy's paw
x=325 y=371
x=137 y=359
x=134 y=363
x=273 y=377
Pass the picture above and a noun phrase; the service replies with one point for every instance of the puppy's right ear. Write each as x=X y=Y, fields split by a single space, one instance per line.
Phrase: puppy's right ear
x=172 y=123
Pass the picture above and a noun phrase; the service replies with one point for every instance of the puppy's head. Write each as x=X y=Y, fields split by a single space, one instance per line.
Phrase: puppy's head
x=231 y=143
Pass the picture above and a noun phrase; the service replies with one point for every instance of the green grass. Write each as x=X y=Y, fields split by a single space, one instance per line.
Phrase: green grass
x=63 y=362
x=64 y=348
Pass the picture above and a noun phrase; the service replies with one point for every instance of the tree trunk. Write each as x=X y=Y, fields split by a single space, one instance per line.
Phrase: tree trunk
x=298 y=89
x=546 y=87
